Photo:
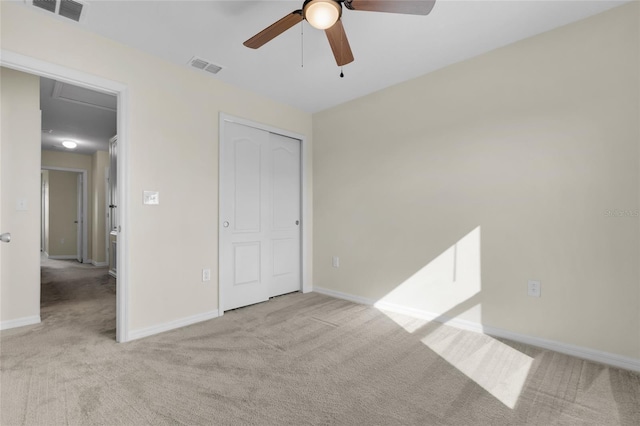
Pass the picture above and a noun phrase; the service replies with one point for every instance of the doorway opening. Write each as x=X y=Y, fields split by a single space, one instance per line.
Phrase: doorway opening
x=119 y=92
x=77 y=126
x=64 y=221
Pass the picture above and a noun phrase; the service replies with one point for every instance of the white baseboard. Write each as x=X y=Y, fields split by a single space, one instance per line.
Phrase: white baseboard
x=113 y=274
x=63 y=257
x=20 y=322
x=345 y=296
x=171 y=325
x=608 y=358
x=98 y=264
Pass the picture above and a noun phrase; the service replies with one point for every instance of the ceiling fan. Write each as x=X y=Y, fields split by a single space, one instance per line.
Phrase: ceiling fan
x=325 y=15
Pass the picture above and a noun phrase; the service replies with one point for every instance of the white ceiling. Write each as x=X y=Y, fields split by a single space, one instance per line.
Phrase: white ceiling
x=74 y=113
x=388 y=48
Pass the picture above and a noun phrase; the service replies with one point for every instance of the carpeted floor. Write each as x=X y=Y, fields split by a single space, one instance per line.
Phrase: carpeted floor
x=295 y=360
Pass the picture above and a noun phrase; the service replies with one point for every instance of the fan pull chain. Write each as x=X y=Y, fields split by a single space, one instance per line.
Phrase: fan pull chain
x=341 y=52
x=302 y=44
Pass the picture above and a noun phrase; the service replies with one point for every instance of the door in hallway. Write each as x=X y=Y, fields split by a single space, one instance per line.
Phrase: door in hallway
x=260 y=215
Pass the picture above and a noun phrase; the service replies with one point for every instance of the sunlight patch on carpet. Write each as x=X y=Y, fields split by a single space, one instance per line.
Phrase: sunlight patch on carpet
x=498 y=368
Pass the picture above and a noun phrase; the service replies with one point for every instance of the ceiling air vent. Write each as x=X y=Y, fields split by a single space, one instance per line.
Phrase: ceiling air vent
x=203 y=65
x=70 y=9
x=49 y=5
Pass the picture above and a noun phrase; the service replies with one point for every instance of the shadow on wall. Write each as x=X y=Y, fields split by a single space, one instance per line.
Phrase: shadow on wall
x=453 y=279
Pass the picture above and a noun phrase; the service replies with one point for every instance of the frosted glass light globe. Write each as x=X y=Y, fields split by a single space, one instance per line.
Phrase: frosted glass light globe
x=322 y=14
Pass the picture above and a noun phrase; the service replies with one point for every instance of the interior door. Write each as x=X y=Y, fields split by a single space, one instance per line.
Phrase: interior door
x=260 y=215
x=79 y=216
x=285 y=215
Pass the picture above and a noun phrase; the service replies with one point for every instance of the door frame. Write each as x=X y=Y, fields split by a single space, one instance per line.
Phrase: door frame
x=80 y=208
x=63 y=74
x=305 y=199
x=107 y=215
x=85 y=204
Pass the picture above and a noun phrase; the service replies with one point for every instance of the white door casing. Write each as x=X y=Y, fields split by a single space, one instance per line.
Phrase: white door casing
x=82 y=211
x=68 y=75
x=79 y=218
x=260 y=252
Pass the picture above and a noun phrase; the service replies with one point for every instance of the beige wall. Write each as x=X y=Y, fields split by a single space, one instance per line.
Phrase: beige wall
x=20 y=180
x=449 y=192
x=63 y=205
x=70 y=160
x=172 y=148
x=99 y=164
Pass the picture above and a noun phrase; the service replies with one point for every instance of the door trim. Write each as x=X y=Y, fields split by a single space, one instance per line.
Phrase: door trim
x=305 y=199
x=85 y=205
x=63 y=74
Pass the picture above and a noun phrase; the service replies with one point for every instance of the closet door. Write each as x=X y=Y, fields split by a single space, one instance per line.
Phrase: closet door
x=284 y=228
x=259 y=214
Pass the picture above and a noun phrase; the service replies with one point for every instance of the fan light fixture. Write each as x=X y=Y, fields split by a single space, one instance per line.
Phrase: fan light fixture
x=69 y=144
x=322 y=14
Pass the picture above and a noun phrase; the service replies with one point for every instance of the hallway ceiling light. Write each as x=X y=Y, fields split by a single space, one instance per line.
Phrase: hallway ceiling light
x=69 y=144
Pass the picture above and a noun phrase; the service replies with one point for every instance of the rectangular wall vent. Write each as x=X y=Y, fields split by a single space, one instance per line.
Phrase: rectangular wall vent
x=69 y=9
x=203 y=65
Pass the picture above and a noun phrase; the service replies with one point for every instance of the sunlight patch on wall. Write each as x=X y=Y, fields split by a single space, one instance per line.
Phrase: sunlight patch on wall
x=446 y=282
x=449 y=287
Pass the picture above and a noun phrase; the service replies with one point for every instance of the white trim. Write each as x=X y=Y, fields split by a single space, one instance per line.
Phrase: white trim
x=344 y=296
x=107 y=214
x=20 y=322
x=305 y=201
x=608 y=358
x=64 y=257
x=99 y=264
x=172 y=325
x=41 y=68
x=85 y=206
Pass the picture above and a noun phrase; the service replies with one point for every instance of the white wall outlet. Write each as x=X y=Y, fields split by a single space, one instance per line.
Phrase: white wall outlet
x=206 y=275
x=534 y=288
x=61 y=241
x=335 y=262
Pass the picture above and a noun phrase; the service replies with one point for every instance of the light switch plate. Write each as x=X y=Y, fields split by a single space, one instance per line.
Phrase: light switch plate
x=21 y=204
x=151 y=197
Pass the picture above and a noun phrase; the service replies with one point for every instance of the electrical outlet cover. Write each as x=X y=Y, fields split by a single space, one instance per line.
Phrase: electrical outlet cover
x=534 y=288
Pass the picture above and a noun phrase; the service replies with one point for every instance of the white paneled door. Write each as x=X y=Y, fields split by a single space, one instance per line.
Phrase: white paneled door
x=260 y=215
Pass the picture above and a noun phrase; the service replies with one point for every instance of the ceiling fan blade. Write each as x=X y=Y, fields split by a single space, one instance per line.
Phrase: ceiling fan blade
x=339 y=44
x=274 y=30
x=408 y=7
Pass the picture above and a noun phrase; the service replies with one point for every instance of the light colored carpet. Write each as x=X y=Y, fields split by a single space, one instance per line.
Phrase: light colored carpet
x=295 y=360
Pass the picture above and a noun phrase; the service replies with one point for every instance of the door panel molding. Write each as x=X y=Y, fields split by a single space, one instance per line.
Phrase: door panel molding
x=306 y=224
